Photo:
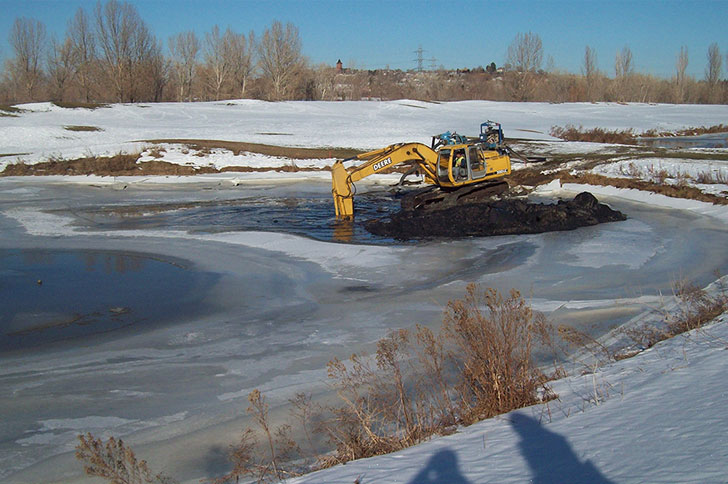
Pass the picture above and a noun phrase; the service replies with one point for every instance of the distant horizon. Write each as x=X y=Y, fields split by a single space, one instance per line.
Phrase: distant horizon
x=378 y=34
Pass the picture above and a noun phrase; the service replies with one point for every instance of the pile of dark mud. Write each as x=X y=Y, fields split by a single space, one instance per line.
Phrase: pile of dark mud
x=497 y=217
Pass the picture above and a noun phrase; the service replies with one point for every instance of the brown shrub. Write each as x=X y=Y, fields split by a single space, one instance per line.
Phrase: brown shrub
x=493 y=338
x=115 y=462
x=478 y=365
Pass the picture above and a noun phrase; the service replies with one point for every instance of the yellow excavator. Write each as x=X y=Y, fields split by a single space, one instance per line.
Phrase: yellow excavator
x=457 y=166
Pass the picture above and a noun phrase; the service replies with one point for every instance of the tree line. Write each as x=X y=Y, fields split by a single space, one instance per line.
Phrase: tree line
x=109 y=54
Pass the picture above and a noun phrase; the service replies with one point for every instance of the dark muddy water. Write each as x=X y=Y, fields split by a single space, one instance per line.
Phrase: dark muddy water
x=309 y=215
x=48 y=296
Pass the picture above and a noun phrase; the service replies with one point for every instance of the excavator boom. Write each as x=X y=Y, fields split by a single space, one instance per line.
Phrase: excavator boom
x=376 y=161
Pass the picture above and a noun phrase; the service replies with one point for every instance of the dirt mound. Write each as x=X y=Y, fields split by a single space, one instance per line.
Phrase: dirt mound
x=500 y=217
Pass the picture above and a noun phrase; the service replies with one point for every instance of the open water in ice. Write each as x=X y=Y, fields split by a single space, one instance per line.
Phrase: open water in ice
x=711 y=140
x=230 y=288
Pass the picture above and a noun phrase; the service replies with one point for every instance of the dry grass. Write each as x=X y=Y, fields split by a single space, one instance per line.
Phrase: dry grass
x=81 y=105
x=718 y=177
x=695 y=309
x=626 y=136
x=718 y=128
x=121 y=164
x=594 y=135
x=238 y=147
x=82 y=128
x=679 y=190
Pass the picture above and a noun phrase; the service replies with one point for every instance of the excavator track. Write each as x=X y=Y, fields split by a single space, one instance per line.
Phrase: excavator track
x=435 y=198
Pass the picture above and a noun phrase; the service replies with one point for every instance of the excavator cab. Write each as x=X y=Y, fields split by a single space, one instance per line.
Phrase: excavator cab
x=469 y=163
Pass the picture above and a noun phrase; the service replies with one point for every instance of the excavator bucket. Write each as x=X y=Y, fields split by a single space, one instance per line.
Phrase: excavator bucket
x=342 y=191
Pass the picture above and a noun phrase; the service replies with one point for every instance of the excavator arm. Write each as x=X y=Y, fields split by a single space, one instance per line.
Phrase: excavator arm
x=376 y=161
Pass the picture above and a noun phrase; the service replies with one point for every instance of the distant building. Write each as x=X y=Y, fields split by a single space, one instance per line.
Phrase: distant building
x=339 y=67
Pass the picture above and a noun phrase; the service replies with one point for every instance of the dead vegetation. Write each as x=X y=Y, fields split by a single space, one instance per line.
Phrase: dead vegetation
x=240 y=147
x=115 y=462
x=79 y=128
x=594 y=135
x=695 y=308
x=80 y=105
x=682 y=190
x=418 y=384
x=9 y=111
x=626 y=136
x=118 y=165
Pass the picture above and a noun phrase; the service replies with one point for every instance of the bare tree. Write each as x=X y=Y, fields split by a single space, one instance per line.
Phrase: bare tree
x=84 y=51
x=243 y=63
x=60 y=67
x=623 y=64
x=218 y=58
x=713 y=73
x=591 y=73
x=280 y=57
x=126 y=44
x=155 y=68
x=324 y=78
x=623 y=70
x=525 y=55
x=27 y=38
x=681 y=66
x=715 y=61
x=184 y=48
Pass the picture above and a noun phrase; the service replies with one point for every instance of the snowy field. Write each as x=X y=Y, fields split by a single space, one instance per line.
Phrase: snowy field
x=41 y=132
x=261 y=301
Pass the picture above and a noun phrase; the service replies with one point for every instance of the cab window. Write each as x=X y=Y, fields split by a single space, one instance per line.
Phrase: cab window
x=477 y=162
x=443 y=164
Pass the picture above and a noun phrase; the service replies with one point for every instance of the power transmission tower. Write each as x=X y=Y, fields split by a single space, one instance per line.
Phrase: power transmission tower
x=433 y=64
x=419 y=59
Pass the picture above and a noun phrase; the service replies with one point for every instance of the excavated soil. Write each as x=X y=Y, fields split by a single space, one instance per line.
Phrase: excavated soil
x=498 y=217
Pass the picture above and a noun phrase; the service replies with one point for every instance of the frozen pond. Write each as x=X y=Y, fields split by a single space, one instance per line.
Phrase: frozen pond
x=51 y=297
x=232 y=301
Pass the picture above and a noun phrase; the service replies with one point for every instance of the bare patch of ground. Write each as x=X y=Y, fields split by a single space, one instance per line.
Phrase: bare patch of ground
x=9 y=111
x=77 y=105
x=82 y=128
x=117 y=165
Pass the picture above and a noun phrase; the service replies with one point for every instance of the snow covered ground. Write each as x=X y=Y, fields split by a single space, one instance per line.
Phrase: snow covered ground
x=276 y=303
x=41 y=132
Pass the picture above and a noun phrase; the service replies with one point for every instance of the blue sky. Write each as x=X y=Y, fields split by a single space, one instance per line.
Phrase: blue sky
x=379 y=33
